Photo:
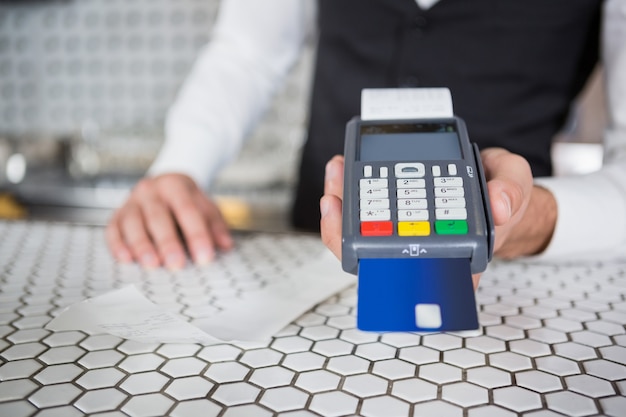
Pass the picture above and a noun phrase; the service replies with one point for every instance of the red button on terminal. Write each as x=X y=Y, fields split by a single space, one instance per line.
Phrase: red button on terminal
x=383 y=228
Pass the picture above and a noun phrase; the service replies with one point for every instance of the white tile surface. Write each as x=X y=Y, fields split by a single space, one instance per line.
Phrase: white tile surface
x=100 y=400
x=320 y=332
x=442 y=341
x=55 y=395
x=292 y=344
x=236 y=393
x=272 y=376
x=201 y=407
x=144 y=383
x=414 y=390
x=148 y=405
x=365 y=385
x=348 y=365
x=284 y=399
x=226 y=372
x=55 y=374
x=178 y=350
x=516 y=399
x=465 y=394
x=388 y=406
x=219 y=353
x=180 y=367
x=464 y=358
x=538 y=381
x=100 y=378
x=557 y=365
x=489 y=377
x=19 y=369
x=101 y=359
x=606 y=369
x=571 y=404
x=393 y=369
x=62 y=354
x=437 y=408
x=530 y=348
x=510 y=361
x=575 y=351
x=613 y=406
x=333 y=347
x=490 y=411
x=375 y=351
x=589 y=386
x=419 y=355
x=485 y=344
x=304 y=361
x=100 y=342
x=19 y=408
x=258 y=358
x=317 y=381
x=247 y=410
x=333 y=404
x=141 y=363
x=17 y=389
x=189 y=387
x=440 y=373
x=547 y=347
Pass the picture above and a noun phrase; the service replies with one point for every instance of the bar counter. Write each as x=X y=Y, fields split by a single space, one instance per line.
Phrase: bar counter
x=552 y=340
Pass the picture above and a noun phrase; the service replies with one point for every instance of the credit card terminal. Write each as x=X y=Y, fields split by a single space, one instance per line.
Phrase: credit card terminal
x=416 y=223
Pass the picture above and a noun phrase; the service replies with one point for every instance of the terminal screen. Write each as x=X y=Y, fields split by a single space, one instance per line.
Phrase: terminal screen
x=409 y=142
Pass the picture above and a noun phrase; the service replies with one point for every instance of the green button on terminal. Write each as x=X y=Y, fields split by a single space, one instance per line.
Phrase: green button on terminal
x=451 y=227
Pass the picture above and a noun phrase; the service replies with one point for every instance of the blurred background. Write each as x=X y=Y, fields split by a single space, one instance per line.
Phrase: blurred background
x=84 y=89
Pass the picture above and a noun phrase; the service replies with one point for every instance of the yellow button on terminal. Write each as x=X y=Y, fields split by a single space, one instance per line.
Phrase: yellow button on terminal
x=413 y=228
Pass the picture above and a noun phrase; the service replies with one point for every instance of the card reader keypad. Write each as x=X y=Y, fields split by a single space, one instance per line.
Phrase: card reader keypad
x=402 y=199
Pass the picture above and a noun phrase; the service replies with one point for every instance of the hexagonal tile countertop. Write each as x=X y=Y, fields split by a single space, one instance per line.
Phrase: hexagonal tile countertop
x=552 y=341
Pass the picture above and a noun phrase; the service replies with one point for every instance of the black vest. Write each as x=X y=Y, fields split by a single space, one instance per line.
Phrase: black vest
x=513 y=68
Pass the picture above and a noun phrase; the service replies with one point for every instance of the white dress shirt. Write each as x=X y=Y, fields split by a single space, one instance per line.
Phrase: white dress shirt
x=255 y=43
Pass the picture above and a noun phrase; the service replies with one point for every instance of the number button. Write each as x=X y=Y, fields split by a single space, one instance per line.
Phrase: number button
x=370 y=183
x=451 y=214
x=374 y=193
x=378 y=203
x=411 y=193
x=412 y=203
x=449 y=192
x=412 y=215
x=375 y=214
x=411 y=183
x=451 y=202
x=448 y=182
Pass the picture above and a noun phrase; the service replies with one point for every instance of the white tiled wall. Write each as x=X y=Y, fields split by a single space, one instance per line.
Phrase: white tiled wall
x=115 y=62
x=117 y=65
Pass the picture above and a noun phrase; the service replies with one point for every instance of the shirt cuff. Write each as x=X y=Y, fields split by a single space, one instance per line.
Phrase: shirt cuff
x=590 y=223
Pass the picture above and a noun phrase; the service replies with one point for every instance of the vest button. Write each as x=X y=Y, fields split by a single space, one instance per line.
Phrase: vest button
x=420 y=22
x=409 y=81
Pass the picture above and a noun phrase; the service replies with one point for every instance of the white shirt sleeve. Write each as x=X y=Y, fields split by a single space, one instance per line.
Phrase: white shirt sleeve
x=252 y=47
x=591 y=220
